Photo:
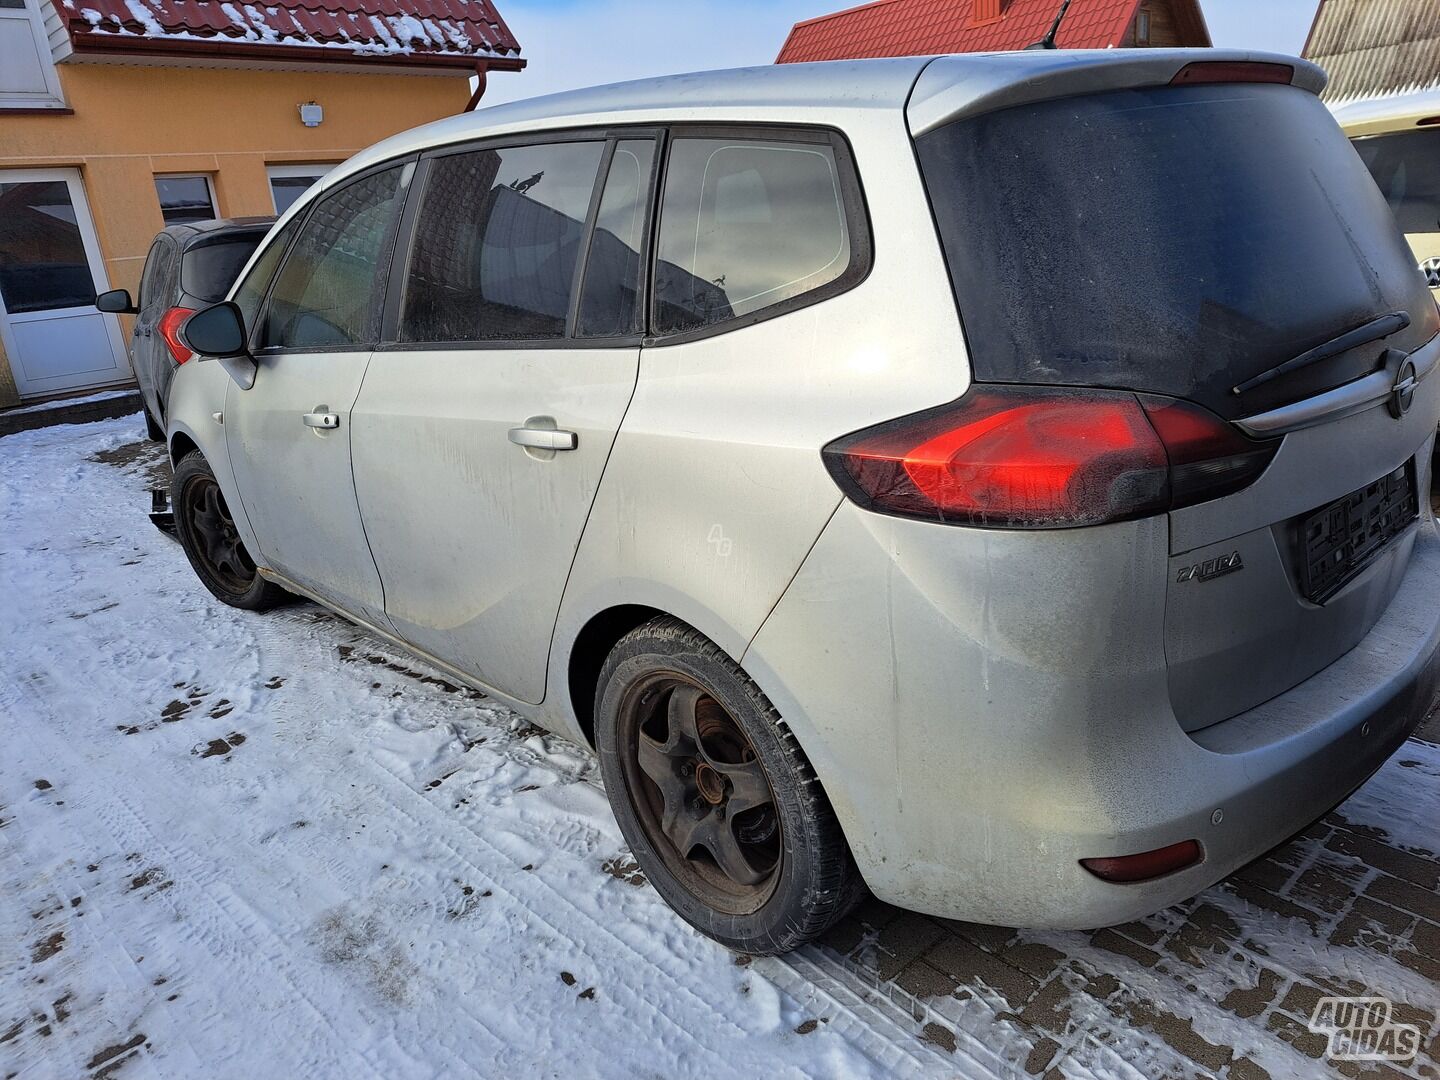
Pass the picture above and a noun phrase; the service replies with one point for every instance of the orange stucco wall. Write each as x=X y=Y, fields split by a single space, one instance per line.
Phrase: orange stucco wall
x=132 y=122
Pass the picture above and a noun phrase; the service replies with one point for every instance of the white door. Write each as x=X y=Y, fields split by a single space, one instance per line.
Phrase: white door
x=50 y=271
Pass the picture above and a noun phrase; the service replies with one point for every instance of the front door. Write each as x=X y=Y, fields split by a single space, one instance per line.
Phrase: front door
x=289 y=435
x=481 y=436
x=50 y=272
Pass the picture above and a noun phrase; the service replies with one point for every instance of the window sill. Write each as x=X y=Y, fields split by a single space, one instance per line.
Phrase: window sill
x=36 y=110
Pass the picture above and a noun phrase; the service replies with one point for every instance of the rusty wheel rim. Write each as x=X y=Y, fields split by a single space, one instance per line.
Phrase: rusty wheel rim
x=701 y=794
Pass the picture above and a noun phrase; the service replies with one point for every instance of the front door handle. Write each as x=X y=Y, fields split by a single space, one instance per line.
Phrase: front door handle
x=544 y=438
x=326 y=420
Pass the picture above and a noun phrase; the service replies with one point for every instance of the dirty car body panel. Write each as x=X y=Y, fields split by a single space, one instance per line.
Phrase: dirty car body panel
x=985 y=704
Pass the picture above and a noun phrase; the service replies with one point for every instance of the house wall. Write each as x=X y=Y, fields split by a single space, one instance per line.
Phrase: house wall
x=129 y=123
x=1166 y=31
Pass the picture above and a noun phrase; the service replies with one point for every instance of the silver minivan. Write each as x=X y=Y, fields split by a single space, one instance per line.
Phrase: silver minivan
x=995 y=481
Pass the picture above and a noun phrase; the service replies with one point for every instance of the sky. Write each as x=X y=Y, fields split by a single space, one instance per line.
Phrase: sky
x=573 y=43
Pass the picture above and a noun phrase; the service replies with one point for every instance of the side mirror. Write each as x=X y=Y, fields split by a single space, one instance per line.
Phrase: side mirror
x=117 y=302
x=219 y=331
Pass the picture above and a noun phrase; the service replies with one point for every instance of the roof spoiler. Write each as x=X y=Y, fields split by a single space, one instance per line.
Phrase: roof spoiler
x=952 y=88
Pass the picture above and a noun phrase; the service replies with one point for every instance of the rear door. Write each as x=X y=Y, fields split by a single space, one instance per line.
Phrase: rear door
x=1186 y=242
x=289 y=434
x=482 y=430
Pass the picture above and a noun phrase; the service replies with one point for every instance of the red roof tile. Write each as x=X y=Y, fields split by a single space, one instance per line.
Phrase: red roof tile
x=452 y=33
x=926 y=27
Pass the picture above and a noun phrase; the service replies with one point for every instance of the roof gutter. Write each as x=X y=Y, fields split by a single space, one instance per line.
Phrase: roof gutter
x=221 y=48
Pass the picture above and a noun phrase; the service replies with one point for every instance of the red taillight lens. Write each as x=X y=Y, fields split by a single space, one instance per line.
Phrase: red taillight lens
x=1147 y=864
x=1232 y=71
x=1043 y=458
x=169 y=329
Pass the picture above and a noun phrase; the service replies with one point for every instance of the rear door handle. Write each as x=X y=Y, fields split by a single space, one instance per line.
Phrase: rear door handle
x=544 y=438
x=325 y=420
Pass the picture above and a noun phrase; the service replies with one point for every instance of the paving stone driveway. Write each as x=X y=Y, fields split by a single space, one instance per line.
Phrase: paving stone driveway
x=1339 y=910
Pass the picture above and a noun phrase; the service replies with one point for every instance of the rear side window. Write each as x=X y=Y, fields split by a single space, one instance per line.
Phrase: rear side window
x=326 y=294
x=609 y=298
x=1406 y=166
x=1173 y=239
x=497 y=243
x=746 y=225
x=207 y=272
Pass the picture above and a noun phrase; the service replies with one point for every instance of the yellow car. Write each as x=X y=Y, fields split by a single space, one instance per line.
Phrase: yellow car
x=1399 y=139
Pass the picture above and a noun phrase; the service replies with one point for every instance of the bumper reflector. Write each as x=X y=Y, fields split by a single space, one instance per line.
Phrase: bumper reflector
x=1147 y=864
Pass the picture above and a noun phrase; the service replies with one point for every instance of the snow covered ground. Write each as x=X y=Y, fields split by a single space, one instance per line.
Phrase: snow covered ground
x=238 y=845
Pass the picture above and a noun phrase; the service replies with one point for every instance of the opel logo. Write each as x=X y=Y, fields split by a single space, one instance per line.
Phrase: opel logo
x=1402 y=395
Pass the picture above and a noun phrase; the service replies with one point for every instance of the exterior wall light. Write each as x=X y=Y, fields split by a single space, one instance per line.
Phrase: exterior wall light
x=311 y=114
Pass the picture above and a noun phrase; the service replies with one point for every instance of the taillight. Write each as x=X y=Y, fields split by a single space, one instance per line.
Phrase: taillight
x=1042 y=458
x=169 y=328
x=1232 y=71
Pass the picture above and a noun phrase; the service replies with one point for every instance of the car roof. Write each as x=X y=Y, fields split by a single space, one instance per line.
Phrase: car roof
x=1394 y=112
x=823 y=94
x=190 y=234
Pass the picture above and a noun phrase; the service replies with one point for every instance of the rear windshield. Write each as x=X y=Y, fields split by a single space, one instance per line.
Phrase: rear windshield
x=1406 y=166
x=207 y=272
x=1171 y=239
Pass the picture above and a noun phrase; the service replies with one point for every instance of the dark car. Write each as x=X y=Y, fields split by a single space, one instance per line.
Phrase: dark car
x=190 y=266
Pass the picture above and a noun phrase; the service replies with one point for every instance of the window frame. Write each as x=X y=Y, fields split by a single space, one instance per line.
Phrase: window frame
x=852 y=198
x=609 y=136
x=52 y=98
x=296 y=171
x=852 y=193
x=206 y=178
x=384 y=265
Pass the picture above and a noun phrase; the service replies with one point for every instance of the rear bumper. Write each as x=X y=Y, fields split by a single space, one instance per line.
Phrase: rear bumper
x=977 y=743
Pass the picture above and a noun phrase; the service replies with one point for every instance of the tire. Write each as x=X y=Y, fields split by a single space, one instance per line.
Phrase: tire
x=211 y=542
x=154 y=431
x=655 y=680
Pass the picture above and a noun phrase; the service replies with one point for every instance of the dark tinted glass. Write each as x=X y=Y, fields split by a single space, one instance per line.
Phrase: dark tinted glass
x=251 y=293
x=746 y=225
x=326 y=292
x=497 y=242
x=1176 y=239
x=42 y=257
x=1406 y=165
x=184 y=198
x=207 y=272
x=158 y=273
x=612 y=271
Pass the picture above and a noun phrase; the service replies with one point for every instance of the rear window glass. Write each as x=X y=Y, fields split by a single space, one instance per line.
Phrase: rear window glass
x=208 y=272
x=1406 y=166
x=1172 y=239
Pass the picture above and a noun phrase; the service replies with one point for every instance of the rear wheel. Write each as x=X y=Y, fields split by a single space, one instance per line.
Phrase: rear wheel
x=212 y=542
x=719 y=806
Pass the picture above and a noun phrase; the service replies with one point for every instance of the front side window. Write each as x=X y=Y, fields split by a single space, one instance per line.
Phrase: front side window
x=152 y=281
x=497 y=242
x=251 y=292
x=746 y=225
x=327 y=293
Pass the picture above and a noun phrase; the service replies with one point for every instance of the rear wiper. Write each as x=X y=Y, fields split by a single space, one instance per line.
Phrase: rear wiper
x=1373 y=330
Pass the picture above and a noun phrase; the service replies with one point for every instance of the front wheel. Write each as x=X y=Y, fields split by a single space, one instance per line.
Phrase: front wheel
x=212 y=542
x=720 y=807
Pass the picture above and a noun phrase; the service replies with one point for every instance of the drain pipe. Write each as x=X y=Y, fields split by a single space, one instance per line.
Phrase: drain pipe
x=481 y=67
